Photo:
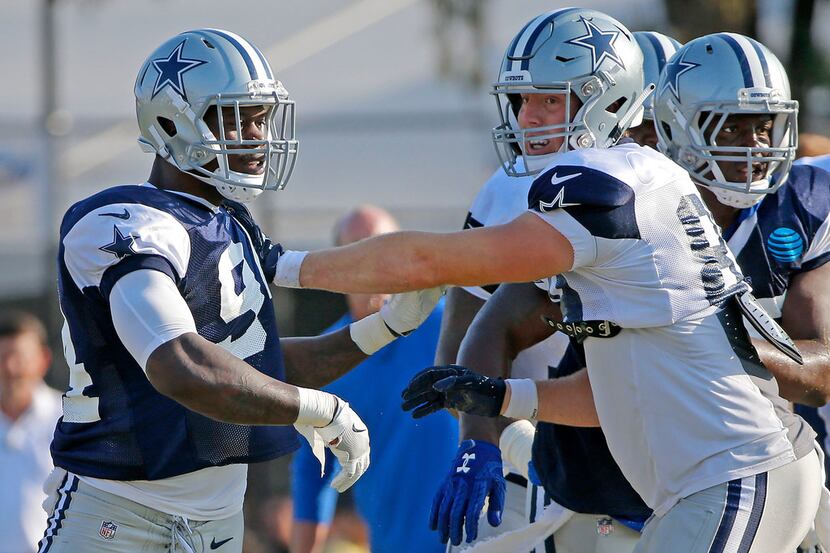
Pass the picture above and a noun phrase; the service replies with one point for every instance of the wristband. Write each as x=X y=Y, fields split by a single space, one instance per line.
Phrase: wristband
x=288 y=269
x=317 y=408
x=524 y=399
x=371 y=333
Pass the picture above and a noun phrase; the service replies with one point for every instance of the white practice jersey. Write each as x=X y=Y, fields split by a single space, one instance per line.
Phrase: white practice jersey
x=675 y=401
x=500 y=200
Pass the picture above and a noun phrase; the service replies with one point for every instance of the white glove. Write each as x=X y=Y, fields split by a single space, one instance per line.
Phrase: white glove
x=347 y=437
x=326 y=420
x=399 y=316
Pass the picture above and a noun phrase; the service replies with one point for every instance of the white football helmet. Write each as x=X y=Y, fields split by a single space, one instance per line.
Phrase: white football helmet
x=705 y=82
x=572 y=50
x=210 y=68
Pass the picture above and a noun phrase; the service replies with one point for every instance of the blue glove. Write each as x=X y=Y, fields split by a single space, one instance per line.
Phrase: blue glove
x=476 y=474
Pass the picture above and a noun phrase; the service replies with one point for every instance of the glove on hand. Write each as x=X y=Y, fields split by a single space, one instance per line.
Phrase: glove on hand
x=347 y=437
x=476 y=475
x=405 y=312
x=453 y=387
x=399 y=316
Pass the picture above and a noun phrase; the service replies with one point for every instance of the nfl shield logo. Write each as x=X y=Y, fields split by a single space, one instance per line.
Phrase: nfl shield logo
x=108 y=529
x=605 y=526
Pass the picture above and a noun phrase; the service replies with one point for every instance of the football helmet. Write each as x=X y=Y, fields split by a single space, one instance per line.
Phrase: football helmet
x=705 y=82
x=211 y=72
x=569 y=51
x=657 y=49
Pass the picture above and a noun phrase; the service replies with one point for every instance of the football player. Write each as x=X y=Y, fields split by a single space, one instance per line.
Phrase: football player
x=776 y=218
x=176 y=365
x=647 y=284
x=573 y=463
x=799 y=433
x=719 y=93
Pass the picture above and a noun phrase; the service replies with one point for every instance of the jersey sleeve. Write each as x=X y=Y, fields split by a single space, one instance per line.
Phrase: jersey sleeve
x=314 y=499
x=815 y=202
x=584 y=204
x=115 y=239
x=148 y=311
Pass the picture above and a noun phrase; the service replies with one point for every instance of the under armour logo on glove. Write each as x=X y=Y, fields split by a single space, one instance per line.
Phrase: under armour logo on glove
x=467 y=457
x=476 y=476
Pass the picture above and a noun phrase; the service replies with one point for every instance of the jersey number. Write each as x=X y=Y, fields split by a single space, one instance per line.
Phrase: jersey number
x=719 y=273
x=234 y=304
x=76 y=406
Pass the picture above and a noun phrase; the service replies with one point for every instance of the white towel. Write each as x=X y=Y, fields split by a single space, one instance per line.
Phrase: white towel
x=527 y=538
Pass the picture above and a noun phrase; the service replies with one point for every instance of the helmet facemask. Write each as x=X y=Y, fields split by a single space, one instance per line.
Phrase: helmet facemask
x=702 y=156
x=599 y=121
x=212 y=158
x=510 y=139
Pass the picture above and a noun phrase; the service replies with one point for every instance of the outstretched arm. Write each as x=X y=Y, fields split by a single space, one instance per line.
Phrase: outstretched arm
x=319 y=360
x=316 y=361
x=523 y=250
x=806 y=318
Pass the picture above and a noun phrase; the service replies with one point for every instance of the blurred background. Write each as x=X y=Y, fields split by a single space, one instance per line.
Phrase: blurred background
x=393 y=109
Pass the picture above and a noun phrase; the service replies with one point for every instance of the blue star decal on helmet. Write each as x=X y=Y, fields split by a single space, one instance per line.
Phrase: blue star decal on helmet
x=171 y=69
x=121 y=246
x=676 y=67
x=600 y=43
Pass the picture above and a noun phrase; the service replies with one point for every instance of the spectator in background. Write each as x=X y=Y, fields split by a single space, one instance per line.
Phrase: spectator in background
x=814 y=149
x=28 y=411
x=812 y=145
x=394 y=497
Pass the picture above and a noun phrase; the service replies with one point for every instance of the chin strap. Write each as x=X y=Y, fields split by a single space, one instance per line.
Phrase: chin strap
x=626 y=120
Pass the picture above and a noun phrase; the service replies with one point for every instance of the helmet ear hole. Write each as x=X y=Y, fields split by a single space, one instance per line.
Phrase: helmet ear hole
x=515 y=103
x=616 y=105
x=666 y=129
x=167 y=125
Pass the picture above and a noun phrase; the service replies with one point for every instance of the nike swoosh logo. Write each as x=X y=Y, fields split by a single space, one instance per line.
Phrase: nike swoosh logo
x=356 y=429
x=556 y=179
x=217 y=544
x=125 y=215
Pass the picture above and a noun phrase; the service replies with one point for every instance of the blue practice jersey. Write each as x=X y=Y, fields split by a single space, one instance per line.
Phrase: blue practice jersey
x=409 y=457
x=115 y=425
x=786 y=234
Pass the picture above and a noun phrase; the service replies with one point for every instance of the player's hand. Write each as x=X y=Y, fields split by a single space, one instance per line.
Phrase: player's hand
x=347 y=437
x=453 y=387
x=405 y=312
x=476 y=475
